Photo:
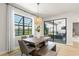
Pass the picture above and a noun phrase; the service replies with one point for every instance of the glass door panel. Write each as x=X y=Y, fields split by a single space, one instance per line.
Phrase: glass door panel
x=60 y=31
x=56 y=29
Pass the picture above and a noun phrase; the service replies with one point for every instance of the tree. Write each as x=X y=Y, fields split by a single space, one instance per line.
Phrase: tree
x=45 y=29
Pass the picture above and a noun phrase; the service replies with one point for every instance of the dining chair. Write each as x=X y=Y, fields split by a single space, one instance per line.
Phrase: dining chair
x=31 y=36
x=47 y=50
x=23 y=37
x=24 y=48
x=42 y=37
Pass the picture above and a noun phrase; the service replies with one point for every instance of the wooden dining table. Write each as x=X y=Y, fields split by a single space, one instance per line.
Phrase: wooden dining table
x=42 y=46
x=36 y=41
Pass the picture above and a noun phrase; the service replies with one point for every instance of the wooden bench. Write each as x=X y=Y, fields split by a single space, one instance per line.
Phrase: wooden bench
x=47 y=50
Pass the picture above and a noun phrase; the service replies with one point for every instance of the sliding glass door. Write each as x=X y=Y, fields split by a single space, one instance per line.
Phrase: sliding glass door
x=56 y=29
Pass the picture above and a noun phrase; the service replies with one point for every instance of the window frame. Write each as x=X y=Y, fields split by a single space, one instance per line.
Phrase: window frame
x=23 y=33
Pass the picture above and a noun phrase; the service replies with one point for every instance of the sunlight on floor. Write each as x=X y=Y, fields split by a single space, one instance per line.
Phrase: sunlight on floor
x=66 y=50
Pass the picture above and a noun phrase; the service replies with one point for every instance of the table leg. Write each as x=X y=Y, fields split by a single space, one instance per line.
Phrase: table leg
x=54 y=48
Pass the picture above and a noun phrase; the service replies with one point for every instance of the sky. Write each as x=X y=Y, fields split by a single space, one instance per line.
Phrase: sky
x=27 y=21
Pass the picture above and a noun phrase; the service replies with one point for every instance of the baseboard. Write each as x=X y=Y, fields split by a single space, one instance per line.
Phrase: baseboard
x=14 y=49
x=7 y=52
x=2 y=53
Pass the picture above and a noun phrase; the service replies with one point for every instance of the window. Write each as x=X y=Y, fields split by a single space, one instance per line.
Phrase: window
x=23 y=25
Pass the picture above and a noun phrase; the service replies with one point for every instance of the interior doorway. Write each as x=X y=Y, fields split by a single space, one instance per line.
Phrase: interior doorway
x=56 y=29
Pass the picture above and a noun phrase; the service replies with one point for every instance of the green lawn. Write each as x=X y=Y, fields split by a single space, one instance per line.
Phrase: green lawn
x=21 y=32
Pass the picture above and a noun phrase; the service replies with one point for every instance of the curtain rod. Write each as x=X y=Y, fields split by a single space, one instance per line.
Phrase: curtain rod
x=20 y=9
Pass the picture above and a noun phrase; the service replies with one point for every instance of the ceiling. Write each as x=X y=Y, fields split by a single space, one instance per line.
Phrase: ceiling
x=50 y=9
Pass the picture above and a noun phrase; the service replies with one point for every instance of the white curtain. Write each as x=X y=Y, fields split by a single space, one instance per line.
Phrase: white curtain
x=10 y=28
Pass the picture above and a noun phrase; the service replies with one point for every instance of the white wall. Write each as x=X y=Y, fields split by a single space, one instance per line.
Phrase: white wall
x=3 y=37
x=71 y=17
